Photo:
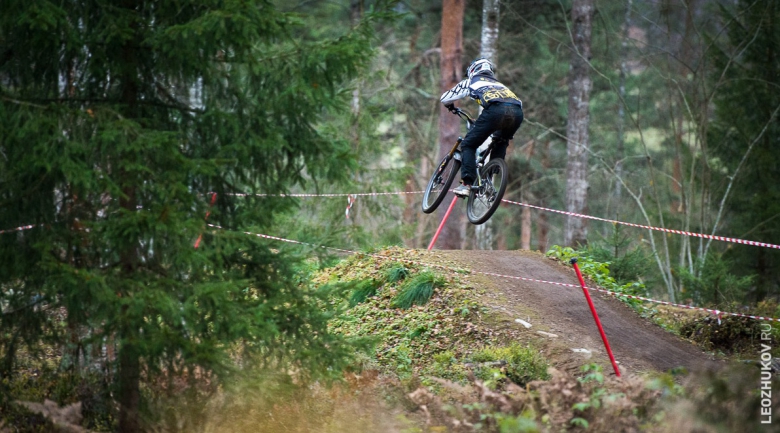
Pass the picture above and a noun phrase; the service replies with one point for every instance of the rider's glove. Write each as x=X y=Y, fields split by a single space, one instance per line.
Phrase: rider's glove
x=451 y=107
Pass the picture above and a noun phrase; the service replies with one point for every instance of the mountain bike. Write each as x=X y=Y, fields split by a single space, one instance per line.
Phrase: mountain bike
x=488 y=189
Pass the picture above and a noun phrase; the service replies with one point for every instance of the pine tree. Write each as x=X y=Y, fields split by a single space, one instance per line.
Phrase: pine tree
x=746 y=126
x=119 y=121
x=580 y=85
x=451 y=73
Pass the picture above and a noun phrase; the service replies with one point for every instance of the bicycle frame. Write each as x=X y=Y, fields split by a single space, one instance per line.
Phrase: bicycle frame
x=469 y=124
x=484 y=198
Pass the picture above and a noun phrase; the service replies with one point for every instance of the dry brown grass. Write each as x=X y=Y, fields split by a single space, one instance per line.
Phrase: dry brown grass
x=361 y=403
x=552 y=405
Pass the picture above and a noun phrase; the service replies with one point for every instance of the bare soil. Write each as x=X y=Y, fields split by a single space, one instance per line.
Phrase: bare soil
x=638 y=344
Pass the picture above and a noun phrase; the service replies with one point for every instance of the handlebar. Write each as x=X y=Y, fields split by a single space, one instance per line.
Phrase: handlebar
x=465 y=116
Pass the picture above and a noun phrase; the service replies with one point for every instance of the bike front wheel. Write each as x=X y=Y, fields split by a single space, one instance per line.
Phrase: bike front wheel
x=439 y=184
x=485 y=199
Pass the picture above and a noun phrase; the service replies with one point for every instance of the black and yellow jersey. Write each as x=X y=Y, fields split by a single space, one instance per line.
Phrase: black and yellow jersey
x=482 y=88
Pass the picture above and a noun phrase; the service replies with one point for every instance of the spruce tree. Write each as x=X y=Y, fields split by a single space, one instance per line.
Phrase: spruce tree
x=118 y=123
x=746 y=125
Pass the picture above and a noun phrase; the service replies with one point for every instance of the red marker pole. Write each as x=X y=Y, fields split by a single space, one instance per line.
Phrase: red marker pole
x=595 y=316
x=441 y=225
x=208 y=212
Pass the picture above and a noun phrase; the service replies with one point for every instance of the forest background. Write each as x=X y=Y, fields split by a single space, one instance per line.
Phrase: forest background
x=122 y=125
x=683 y=109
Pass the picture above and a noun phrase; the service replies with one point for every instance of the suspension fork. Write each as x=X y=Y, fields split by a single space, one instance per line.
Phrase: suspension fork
x=455 y=147
x=449 y=156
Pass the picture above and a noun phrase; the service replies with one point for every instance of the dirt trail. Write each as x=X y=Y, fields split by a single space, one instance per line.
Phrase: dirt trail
x=638 y=344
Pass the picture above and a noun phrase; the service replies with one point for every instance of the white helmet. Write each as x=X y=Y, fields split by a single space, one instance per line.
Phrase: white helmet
x=479 y=66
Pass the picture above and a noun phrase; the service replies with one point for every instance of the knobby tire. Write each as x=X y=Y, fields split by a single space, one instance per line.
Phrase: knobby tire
x=440 y=183
x=484 y=201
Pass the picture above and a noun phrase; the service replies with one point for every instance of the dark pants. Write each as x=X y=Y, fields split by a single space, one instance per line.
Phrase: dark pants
x=502 y=118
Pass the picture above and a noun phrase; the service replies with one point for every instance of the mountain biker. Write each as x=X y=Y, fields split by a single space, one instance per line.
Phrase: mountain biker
x=502 y=113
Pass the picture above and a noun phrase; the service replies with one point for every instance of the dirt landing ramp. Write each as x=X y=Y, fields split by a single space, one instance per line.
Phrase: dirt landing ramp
x=638 y=344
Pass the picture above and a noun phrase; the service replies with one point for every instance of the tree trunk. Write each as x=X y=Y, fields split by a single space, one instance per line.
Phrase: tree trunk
x=484 y=235
x=525 y=224
x=356 y=14
x=449 y=125
x=621 y=108
x=526 y=196
x=543 y=228
x=683 y=186
x=129 y=359
x=542 y=225
x=490 y=14
x=129 y=389
x=577 y=127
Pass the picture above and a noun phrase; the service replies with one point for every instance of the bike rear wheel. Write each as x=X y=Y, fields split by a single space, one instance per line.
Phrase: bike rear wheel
x=485 y=199
x=440 y=182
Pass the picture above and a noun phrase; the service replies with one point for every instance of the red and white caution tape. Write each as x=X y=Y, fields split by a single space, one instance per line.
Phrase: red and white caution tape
x=18 y=229
x=362 y=194
x=717 y=313
x=449 y=268
x=353 y=196
x=679 y=232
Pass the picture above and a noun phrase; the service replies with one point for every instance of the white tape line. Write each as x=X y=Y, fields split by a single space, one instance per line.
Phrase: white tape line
x=677 y=232
x=364 y=194
x=17 y=229
x=459 y=270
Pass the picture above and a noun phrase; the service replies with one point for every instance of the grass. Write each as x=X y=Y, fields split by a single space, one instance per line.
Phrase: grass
x=416 y=291
x=449 y=335
x=444 y=315
x=364 y=290
x=397 y=273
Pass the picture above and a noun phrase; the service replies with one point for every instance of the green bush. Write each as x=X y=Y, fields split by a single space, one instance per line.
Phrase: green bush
x=523 y=364
x=599 y=272
x=713 y=283
x=64 y=388
x=729 y=334
x=626 y=264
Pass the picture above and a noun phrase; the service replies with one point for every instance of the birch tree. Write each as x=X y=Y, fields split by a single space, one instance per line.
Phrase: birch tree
x=489 y=50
